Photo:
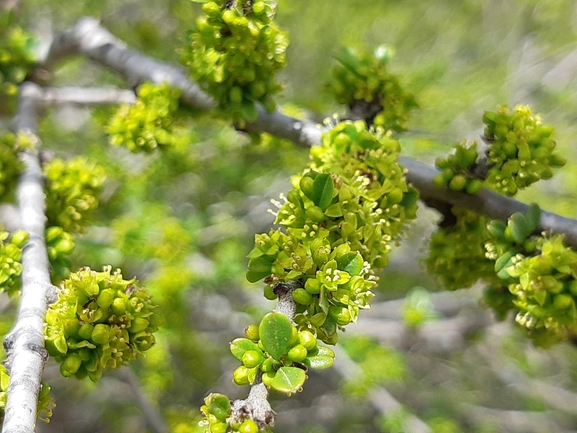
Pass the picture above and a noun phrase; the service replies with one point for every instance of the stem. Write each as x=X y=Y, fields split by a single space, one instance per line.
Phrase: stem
x=24 y=344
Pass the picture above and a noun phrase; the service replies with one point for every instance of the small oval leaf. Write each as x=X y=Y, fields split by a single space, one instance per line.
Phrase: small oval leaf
x=323 y=190
x=275 y=332
x=351 y=262
x=289 y=379
x=241 y=345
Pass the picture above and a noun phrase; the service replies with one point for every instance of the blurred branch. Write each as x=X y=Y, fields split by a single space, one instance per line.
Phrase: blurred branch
x=88 y=38
x=24 y=344
x=87 y=96
x=153 y=417
x=379 y=397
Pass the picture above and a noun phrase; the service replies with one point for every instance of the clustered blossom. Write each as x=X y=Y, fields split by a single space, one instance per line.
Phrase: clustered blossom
x=99 y=321
x=339 y=223
x=235 y=53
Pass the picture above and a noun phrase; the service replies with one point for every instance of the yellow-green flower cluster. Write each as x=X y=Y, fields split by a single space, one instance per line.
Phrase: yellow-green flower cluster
x=16 y=56
x=99 y=321
x=11 y=261
x=339 y=221
x=73 y=192
x=45 y=403
x=148 y=124
x=363 y=82
x=235 y=53
x=520 y=150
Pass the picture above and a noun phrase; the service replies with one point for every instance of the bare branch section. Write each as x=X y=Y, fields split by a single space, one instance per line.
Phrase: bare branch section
x=88 y=38
x=87 y=96
x=24 y=344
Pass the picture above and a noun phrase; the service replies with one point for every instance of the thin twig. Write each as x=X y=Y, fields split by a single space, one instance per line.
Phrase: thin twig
x=24 y=344
x=87 y=96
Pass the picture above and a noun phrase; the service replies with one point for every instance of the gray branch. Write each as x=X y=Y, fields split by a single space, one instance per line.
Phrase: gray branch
x=87 y=96
x=25 y=342
x=88 y=38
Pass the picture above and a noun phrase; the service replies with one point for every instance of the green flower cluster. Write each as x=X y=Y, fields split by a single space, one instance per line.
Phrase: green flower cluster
x=72 y=192
x=218 y=412
x=234 y=54
x=16 y=56
x=457 y=169
x=362 y=81
x=520 y=150
x=279 y=351
x=45 y=403
x=148 y=124
x=541 y=275
x=457 y=252
x=519 y=153
x=60 y=245
x=341 y=218
x=99 y=321
x=11 y=261
x=10 y=166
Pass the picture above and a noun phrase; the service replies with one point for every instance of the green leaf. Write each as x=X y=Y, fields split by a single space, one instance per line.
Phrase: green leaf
x=323 y=189
x=241 y=345
x=533 y=217
x=351 y=262
x=275 y=332
x=258 y=268
x=289 y=379
x=519 y=227
x=249 y=111
x=60 y=344
x=324 y=358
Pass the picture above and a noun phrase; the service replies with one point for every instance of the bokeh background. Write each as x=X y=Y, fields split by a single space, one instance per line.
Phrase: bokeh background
x=183 y=221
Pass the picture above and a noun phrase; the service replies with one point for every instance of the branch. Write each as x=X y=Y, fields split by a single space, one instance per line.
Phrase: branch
x=25 y=342
x=87 y=96
x=88 y=38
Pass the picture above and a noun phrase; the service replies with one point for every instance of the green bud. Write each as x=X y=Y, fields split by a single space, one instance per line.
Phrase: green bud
x=458 y=183
x=252 y=358
x=297 y=353
x=101 y=334
x=308 y=340
x=138 y=325
x=70 y=365
x=105 y=298
x=240 y=375
x=218 y=405
x=85 y=331
x=562 y=301
x=268 y=377
x=218 y=427
x=315 y=214
x=118 y=306
x=306 y=186
x=301 y=296
x=340 y=314
x=251 y=332
x=248 y=426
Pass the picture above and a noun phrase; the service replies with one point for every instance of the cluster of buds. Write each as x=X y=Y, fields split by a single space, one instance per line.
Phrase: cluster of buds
x=99 y=321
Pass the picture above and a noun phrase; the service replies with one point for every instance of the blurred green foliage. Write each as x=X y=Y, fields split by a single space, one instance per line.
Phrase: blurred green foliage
x=184 y=220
